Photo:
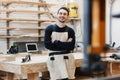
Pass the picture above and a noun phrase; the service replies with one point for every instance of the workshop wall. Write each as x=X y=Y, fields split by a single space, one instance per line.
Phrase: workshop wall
x=78 y=26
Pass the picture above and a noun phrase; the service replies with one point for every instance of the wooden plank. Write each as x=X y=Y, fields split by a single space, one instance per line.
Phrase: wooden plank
x=33 y=76
x=22 y=28
x=9 y=76
x=6 y=28
x=27 y=11
x=73 y=19
x=26 y=2
x=20 y=36
x=77 y=19
x=20 y=19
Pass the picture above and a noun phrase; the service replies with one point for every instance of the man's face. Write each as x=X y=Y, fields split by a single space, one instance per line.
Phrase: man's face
x=62 y=15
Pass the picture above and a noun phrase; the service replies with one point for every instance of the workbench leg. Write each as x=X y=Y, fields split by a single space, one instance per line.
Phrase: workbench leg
x=9 y=76
x=33 y=76
x=110 y=68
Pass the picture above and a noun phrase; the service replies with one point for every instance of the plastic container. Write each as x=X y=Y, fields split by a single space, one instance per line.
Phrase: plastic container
x=72 y=6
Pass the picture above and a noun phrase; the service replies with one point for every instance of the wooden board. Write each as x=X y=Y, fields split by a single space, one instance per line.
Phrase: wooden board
x=22 y=28
x=20 y=36
x=27 y=11
x=26 y=2
x=21 y=19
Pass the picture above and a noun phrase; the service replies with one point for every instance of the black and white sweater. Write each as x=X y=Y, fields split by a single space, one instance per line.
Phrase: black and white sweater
x=61 y=35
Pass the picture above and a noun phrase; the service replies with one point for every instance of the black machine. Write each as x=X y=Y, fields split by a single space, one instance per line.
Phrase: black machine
x=115 y=56
x=13 y=50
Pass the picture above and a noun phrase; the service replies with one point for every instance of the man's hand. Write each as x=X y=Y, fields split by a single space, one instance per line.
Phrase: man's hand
x=69 y=40
x=52 y=40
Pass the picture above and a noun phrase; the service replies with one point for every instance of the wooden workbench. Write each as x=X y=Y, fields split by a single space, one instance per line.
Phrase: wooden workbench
x=113 y=66
x=12 y=65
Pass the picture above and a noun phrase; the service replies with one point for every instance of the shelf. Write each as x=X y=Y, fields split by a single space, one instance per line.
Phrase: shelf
x=6 y=2
x=77 y=19
x=73 y=19
x=27 y=11
x=21 y=36
x=7 y=10
x=22 y=28
x=20 y=19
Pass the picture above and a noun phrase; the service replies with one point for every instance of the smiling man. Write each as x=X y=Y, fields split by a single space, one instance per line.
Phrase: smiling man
x=60 y=41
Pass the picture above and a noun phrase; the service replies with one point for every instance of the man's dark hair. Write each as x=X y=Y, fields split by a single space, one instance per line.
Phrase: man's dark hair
x=64 y=9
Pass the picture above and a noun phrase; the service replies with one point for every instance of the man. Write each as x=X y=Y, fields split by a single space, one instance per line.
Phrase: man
x=60 y=41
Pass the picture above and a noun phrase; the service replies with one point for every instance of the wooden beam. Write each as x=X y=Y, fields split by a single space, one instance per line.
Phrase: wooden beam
x=98 y=26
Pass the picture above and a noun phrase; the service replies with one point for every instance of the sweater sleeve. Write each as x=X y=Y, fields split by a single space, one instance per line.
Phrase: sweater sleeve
x=47 y=38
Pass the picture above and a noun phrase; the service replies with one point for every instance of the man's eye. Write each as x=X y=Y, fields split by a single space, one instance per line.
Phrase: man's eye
x=64 y=14
x=60 y=13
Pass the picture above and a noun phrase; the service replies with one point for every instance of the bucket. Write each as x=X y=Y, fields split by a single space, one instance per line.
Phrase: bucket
x=73 y=9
